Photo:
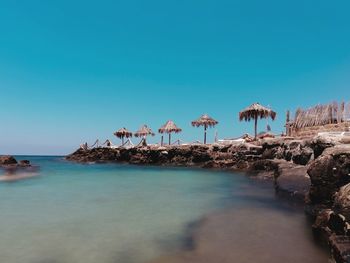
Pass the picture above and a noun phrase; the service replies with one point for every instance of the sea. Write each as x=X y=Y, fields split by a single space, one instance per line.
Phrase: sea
x=119 y=213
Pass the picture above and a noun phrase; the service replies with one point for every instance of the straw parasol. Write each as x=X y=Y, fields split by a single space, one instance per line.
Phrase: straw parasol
x=206 y=121
x=123 y=133
x=144 y=131
x=256 y=111
x=169 y=128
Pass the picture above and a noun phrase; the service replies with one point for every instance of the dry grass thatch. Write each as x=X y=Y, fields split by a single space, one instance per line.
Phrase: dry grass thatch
x=256 y=111
x=169 y=127
x=321 y=115
x=205 y=120
x=144 y=131
x=123 y=133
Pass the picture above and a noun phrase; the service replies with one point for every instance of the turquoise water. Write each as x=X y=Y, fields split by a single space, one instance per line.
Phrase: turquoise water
x=74 y=213
x=103 y=213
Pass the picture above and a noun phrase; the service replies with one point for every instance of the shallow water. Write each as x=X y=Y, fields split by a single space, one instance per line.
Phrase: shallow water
x=259 y=229
x=74 y=213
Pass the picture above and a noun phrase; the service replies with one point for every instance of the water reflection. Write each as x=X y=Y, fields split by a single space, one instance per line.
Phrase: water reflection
x=14 y=173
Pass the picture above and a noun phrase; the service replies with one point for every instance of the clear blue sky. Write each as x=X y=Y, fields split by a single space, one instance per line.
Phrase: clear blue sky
x=74 y=71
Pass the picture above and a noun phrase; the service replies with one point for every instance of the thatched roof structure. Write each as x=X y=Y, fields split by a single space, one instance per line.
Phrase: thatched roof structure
x=123 y=133
x=204 y=120
x=256 y=111
x=144 y=131
x=321 y=115
x=169 y=127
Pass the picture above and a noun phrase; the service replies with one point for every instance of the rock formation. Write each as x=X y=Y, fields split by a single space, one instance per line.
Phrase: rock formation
x=316 y=171
x=9 y=161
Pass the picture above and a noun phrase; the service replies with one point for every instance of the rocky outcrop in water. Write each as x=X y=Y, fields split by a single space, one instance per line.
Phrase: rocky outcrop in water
x=283 y=160
x=9 y=161
x=315 y=170
x=342 y=201
x=329 y=199
x=188 y=155
x=328 y=173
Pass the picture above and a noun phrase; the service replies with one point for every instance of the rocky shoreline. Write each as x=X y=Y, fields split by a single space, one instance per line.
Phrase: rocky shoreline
x=315 y=171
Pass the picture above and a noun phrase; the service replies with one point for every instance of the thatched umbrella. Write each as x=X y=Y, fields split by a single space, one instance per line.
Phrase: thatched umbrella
x=256 y=111
x=144 y=131
x=169 y=127
x=123 y=133
x=205 y=121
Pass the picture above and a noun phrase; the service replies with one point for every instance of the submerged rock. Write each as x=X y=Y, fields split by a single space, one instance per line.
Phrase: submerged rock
x=24 y=163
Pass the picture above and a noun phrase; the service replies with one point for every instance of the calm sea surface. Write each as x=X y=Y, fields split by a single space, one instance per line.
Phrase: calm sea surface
x=109 y=213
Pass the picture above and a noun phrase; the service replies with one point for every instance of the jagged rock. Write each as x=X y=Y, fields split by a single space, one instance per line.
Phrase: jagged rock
x=292 y=179
x=280 y=153
x=270 y=153
x=273 y=148
x=240 y=165
x=342 y=201
x=337 y=224
x=222 y=156
x=273 y=143
x=7 y=160
x=264 y=169
x=24 y=163
x=302 y=155
x=200 y=154
x=294 y=144
x=288 y=150
x=220 y=148
x=328 y=173
x=340 y=247
x=320 y=227
x=319 y=144
x=263 y=165
x=184 y=152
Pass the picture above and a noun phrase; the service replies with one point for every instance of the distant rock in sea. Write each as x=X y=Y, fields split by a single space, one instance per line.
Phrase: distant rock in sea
x=7 y=160
x=10 y=161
